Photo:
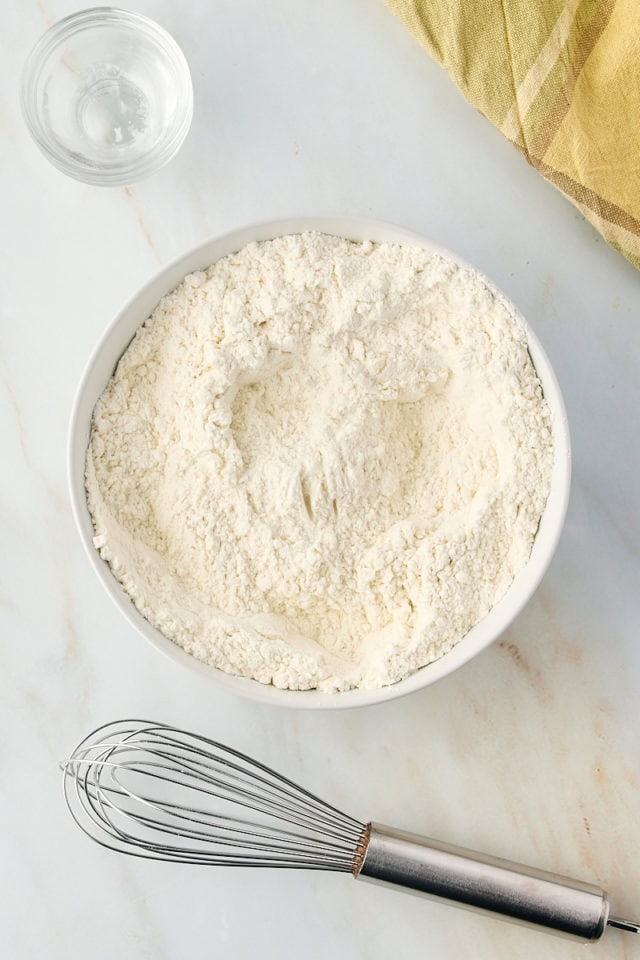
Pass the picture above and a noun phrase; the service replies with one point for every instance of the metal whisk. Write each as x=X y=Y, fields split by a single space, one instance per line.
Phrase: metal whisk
x=157 y=792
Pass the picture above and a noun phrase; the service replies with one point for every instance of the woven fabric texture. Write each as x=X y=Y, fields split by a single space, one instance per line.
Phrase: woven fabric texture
x=561 y=80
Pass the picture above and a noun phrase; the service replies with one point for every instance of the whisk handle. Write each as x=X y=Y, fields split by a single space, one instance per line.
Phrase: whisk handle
x=479 y=882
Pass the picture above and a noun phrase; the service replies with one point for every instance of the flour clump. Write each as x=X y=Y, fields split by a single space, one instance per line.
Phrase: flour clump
x=320 y=463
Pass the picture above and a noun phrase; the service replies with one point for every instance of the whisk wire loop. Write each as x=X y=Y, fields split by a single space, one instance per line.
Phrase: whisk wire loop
x=160 y=793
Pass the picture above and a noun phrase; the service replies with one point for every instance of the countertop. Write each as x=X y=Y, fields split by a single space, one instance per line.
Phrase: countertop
x=531 y=751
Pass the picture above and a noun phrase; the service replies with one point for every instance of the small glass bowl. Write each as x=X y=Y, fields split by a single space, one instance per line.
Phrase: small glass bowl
x=107 y=96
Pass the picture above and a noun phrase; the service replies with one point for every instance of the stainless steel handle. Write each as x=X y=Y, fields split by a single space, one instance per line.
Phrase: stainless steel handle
x=480 y=882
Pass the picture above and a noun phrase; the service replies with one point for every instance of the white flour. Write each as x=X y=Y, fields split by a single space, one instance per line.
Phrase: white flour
x=320 y=463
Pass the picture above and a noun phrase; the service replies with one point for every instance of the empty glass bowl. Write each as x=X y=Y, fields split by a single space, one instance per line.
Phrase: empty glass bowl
x=107 y=96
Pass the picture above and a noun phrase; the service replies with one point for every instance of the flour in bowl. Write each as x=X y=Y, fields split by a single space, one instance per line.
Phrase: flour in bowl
x=320 y=463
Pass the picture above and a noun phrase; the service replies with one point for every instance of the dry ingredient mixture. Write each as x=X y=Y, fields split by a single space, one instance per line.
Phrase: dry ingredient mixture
x=320 y=463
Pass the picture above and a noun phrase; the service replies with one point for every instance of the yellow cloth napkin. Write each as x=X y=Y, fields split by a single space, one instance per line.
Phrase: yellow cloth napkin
x=561 y=80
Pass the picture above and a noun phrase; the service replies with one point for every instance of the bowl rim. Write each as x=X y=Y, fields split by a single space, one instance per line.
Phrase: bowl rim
x=485 y=632
x=95 y=18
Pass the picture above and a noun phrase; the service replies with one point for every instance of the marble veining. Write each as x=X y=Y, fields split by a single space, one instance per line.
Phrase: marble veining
x=531 y=751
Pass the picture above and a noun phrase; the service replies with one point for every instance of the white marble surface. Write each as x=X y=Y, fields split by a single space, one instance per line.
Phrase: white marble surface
x=532 y=750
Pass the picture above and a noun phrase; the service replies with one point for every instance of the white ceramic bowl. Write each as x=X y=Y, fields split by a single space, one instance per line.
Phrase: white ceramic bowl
x=101 y=366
